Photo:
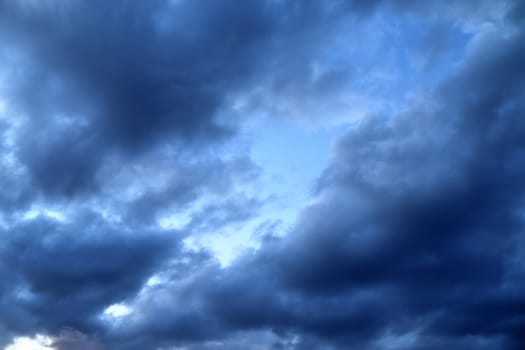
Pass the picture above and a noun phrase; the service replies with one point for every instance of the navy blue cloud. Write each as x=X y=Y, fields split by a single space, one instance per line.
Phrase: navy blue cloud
x=67 y=273
x=416 y=236
x=97 y=78
x=419 y=232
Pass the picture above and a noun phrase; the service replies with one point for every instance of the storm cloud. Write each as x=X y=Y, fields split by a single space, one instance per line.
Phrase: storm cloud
x=137 y=211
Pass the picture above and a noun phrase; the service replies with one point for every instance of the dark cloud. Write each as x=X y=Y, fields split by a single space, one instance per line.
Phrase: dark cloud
x=96 y=78
x=68 y=273
x=415 y=240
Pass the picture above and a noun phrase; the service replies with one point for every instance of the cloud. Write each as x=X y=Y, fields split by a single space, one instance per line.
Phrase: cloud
x=120 y=116
x=70 y=339
x=104 y=78
x=415 y=239
x=68 y=273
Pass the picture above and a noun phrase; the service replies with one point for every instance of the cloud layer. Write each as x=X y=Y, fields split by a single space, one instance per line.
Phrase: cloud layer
x=123 y=142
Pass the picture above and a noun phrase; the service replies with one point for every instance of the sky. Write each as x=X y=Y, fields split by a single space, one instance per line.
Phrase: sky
x=262 y=175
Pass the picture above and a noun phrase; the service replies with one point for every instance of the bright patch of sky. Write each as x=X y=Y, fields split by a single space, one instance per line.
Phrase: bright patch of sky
x=117 y=310
x=291 y=156
x=49 y=213
x=39 y=342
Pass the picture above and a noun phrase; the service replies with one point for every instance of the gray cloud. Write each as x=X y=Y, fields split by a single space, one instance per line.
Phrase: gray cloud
x=418 y=232
x=415 y=238
x=67 y=273
x=106 y=77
